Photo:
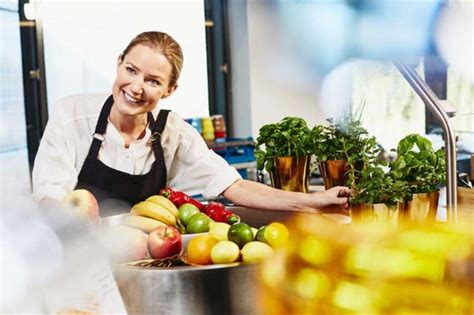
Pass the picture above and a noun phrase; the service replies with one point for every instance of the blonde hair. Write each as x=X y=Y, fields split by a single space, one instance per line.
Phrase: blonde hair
x=168 y=46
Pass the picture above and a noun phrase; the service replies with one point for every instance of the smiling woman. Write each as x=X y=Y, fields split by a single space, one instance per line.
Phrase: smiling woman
x=142 y=149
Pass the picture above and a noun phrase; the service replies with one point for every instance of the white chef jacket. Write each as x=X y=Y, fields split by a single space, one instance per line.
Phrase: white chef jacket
x=191 y=166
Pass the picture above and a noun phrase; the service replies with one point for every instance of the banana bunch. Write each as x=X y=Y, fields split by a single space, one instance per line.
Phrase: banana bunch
x=153 y=212
x=144 y=224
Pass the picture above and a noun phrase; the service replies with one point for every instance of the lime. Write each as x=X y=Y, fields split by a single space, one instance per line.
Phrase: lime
x=276 y=234
x=198 y=223
x=260 y=236
x=240 y=233
x=219 y=230
x=255 y=252
x=186 y=211
x=225 y=252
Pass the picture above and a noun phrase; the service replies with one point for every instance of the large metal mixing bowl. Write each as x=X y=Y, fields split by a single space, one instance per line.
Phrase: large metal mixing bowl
x=206 y=290
x=188 y=290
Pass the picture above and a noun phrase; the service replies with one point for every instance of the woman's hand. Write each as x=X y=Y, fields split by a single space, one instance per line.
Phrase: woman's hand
x=256 y=195
x=337 y=196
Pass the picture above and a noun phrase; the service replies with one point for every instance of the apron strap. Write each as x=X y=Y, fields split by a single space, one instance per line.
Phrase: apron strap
x=104 y=116
x=155 y=137
x=100 y=128
x=160 y=123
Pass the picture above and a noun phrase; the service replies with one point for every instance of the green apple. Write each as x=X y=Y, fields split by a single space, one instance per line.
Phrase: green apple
x=186 y=211
x=198 y=223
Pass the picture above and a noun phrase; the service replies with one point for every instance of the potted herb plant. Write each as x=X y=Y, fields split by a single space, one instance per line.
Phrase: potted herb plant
x=377 y=195
x=423 y=169
x=340 y=144
x=284 y=150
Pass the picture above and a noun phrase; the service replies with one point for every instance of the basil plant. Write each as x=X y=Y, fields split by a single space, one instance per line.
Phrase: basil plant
x=419 y=164
x=376 y=185
x=290 y=137
x=345 y=140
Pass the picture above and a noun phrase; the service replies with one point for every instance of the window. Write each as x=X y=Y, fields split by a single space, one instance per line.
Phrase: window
x=13 y=152
x=12 y=118
x=83 y=40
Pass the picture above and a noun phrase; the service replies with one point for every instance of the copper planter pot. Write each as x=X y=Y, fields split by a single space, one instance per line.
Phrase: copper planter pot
x=376 y=213
x=291 y=173
x=422 y=208
x=333 y=173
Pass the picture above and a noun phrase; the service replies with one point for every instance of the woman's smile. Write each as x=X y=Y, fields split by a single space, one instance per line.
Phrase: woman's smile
x=132 y=100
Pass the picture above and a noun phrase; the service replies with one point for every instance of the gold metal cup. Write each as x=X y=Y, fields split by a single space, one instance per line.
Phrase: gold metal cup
x=333 y=173
x=422 y=208
x=375 y=213
x=291 y=173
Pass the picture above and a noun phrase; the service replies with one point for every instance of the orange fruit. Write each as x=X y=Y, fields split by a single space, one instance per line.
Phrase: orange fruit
x=276 y=234
x=199 y=249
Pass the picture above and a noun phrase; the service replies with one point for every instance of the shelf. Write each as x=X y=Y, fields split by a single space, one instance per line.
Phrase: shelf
x=231 y=143
x=244 y=165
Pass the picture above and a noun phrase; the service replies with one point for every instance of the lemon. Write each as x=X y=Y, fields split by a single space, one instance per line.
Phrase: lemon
x=255 y=251
x=219 y=230
x=254 y=230
x=225 y=252
x=276 y=234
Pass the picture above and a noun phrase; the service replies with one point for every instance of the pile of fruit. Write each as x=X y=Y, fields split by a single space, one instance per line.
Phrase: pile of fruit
x=155 y=226
x=175 y=208
x=227 y=243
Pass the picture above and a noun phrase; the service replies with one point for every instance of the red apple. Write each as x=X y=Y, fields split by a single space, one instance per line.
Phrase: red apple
x=82 y=203
x=164 y=241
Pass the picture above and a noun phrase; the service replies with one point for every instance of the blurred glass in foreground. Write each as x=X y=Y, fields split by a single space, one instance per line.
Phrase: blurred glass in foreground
x=367 y=269
x=51 y=263
x=455 y=35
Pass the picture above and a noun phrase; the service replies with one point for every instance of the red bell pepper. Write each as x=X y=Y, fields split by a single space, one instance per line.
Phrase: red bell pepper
x=218 y=212
x=179 y=198
x=173 y=196
x=230 y=217
x=213 y=205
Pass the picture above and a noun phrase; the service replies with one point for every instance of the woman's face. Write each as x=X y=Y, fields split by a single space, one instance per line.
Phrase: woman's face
x=142 y=80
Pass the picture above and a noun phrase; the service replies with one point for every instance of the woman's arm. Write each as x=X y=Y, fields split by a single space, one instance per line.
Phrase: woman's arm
x=256 y=195
x=54 y=174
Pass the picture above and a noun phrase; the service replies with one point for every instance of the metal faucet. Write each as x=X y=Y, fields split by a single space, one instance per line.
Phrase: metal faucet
x=434 y=106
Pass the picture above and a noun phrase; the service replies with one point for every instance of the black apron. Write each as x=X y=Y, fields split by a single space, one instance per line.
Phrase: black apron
x=115 y=190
